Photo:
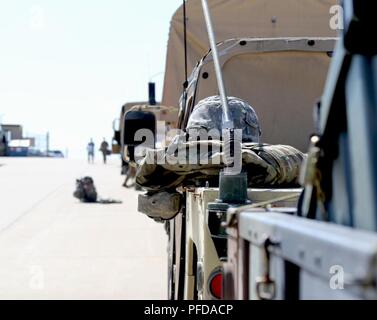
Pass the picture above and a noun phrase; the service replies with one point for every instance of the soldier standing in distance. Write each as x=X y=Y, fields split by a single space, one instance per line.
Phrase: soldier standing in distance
x=90 y=150
x=104 y=149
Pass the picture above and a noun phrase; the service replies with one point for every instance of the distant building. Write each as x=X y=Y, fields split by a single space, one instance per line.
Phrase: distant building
x=13 y=131
x=12 y=142
x=18 y=148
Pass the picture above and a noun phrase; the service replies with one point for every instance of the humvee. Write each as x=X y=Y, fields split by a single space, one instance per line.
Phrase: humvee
x=280 y=69
x=159 y=113
x=326 y=249
x=282 y=78
x=117 y=141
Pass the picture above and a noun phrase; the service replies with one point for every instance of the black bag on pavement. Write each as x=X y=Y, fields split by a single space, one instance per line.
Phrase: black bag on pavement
x=85 y=190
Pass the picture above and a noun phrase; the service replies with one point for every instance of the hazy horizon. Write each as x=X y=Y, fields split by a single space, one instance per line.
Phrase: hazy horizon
x=68 y=67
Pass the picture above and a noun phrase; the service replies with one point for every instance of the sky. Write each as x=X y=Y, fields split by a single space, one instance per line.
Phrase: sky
x=67 y=67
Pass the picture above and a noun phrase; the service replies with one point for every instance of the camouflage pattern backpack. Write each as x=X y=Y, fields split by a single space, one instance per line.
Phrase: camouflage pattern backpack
x=85 y=190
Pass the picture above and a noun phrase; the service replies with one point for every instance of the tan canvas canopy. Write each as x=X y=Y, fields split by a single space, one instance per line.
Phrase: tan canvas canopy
x=274 y=54
x=238 y=19
x=281 y=78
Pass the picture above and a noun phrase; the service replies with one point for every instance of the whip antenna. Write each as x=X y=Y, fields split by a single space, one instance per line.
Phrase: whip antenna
x=227 y=120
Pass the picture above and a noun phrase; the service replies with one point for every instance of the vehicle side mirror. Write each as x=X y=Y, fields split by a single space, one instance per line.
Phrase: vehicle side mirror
x=139 y=128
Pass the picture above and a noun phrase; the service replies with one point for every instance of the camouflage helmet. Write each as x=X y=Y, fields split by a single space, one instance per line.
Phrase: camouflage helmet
x=207 y=114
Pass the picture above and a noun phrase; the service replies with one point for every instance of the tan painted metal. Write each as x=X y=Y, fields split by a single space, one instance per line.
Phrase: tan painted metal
x=198 y=236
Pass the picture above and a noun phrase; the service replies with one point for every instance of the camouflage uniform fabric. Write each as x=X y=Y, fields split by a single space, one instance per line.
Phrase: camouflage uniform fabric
x=162 y=171
x=266 y=165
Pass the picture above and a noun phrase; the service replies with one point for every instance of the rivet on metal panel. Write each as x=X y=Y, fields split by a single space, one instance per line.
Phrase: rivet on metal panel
x=311 y=43
x=318 y=261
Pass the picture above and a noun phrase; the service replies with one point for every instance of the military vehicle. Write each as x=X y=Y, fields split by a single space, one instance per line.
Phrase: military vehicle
x=276 y=58
x=116 y=145
x=267 y=70
x=118 y=124
x=151 y=115
x=124 y=129
x=327 y=247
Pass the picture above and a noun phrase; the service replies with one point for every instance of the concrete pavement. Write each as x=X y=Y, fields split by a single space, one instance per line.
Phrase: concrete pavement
x=54 y=247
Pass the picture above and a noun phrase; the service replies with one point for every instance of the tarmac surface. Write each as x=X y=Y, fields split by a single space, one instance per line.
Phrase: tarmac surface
x=54 y=247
